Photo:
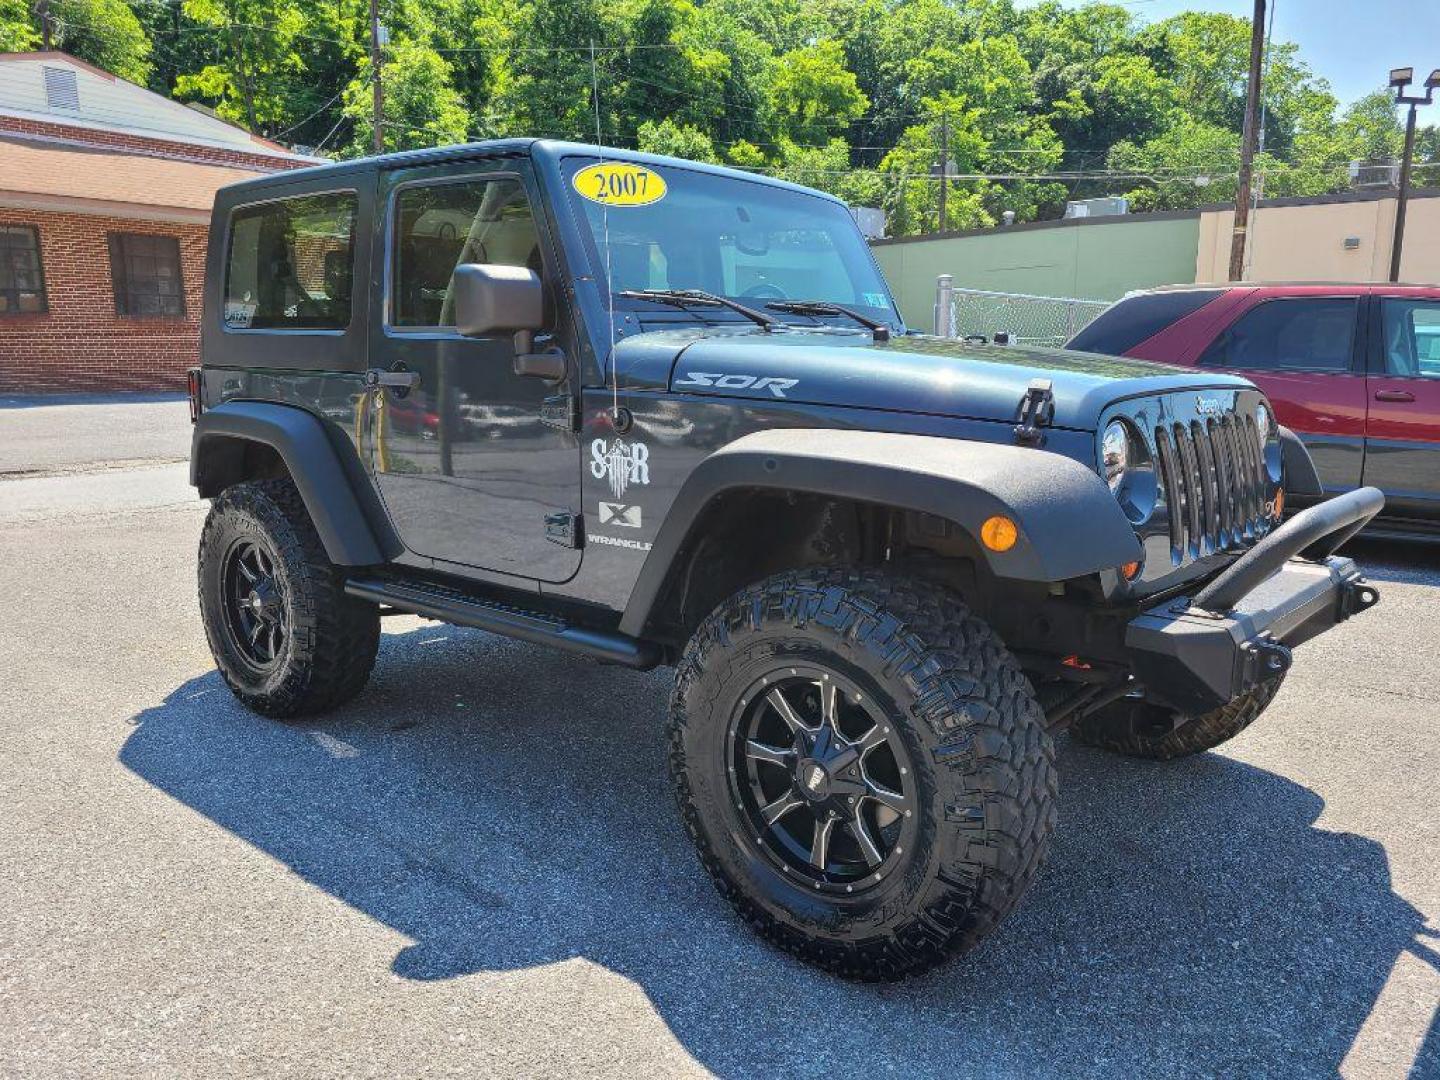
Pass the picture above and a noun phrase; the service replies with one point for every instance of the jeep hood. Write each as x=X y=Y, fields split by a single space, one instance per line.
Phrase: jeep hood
x=911 y=373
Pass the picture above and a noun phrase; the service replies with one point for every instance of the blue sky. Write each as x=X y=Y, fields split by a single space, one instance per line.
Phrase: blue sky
x=1352 y=43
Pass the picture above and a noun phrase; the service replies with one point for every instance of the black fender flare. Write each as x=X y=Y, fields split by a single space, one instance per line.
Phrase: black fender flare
x=1301 y=476
x=1069 y=522
x=315 y=463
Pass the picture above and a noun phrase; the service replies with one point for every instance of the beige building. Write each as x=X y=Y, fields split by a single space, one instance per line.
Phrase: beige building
x=1337 y=238
x=1325 y=238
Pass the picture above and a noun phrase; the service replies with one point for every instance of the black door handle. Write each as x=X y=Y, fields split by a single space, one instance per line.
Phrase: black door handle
x=1394 y=395
x=402 y=382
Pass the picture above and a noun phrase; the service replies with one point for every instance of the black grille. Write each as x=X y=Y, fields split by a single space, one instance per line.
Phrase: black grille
x=1212 y=473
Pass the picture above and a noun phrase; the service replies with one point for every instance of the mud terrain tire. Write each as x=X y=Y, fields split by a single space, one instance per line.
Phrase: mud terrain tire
x=1143 y=730
x=325 y=645
x=980 y=768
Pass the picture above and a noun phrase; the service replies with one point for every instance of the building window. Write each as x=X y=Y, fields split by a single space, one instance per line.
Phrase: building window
x=291 y=264
x=145 y=271
x=22 y=284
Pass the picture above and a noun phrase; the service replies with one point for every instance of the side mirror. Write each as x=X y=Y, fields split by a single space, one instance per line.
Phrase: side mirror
x=492 y=299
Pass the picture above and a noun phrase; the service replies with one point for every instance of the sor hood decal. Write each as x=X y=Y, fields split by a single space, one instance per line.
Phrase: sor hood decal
x=621 y=463
x=776 y=386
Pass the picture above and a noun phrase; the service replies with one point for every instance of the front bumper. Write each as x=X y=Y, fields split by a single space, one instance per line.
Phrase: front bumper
x=1198 y=653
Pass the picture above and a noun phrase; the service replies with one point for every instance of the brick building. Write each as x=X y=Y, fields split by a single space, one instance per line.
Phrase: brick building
x=105 y=195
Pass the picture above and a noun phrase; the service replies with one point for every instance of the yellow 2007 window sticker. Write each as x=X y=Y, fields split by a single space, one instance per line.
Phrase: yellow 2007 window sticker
x=619 y=183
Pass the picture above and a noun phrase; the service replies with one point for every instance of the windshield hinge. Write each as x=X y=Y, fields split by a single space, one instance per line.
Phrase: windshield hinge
x=1037 y=409
x=564 y=528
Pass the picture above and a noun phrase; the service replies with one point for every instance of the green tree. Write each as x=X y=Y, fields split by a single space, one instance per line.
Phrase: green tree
x=671 y=69
x=177 y=43
x=251 y=80
x=422 y=107
x=105 y=33
x=550 y=91
x=18 y=30
x=1192 y=164
x=815 y=96
x=476 y=40
x=745 y=155
x=1090 y=74
x=676 y=140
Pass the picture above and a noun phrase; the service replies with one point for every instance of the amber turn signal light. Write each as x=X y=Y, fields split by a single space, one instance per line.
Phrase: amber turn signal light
x=1279 y=509
x=999 y=533
x=1130 y=570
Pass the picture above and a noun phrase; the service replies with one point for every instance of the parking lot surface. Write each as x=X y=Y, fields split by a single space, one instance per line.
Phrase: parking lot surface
x=476 y=868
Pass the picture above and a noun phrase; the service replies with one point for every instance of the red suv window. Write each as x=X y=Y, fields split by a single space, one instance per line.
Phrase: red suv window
x=1128 y=322
x=1301 y=334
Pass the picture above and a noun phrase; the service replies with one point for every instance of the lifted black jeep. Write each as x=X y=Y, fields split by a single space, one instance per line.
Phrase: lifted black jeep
x=661 y=413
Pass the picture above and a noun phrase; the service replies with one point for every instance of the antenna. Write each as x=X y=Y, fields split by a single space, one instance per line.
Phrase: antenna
x=605 y=229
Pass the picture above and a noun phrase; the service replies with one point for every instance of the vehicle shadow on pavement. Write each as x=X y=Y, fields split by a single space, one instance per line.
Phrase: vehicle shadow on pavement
x=505 y=806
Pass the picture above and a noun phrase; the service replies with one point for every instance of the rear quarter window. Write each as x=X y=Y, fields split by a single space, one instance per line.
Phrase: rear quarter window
x=1126 y=323
x=290 y=265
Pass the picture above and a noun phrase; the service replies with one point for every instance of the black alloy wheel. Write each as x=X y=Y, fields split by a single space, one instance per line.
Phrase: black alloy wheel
x=821 y=778
x=256 y=612
x=862 y=766
x=286 y=637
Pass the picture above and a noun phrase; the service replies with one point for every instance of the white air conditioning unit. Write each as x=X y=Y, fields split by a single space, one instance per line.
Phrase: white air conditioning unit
x=1111 y=206
x=1374 y=174
x=871 y=220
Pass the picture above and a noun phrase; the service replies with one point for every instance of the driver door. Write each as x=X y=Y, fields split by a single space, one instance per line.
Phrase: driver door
x=468 y=470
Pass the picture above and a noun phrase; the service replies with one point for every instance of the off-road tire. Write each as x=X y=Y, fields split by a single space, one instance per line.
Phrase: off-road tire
x=332 y=639
x=1140 y=729
x=984 y=767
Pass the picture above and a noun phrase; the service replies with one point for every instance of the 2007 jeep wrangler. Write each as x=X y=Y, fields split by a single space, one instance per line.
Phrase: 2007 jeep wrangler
x=657 y=412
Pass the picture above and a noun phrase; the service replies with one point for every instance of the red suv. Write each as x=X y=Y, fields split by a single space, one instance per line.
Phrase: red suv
x=1354 y=369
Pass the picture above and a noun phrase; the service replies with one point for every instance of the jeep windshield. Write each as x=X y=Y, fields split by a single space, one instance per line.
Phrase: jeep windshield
x=674 y=229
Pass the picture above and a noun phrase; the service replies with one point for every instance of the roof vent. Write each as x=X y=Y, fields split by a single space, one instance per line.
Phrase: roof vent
x=61 y=90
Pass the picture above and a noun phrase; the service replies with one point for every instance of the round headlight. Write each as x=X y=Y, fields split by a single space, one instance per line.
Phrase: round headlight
x=1264 y=421
x=1115 y=452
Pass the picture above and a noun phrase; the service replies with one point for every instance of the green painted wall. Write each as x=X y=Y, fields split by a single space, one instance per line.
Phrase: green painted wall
x=1092 y=260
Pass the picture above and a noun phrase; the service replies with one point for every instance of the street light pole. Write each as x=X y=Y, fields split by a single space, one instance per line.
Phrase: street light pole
x=1399 y=79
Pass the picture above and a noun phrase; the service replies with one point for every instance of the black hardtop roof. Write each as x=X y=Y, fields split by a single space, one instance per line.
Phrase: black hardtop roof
x=550 y=150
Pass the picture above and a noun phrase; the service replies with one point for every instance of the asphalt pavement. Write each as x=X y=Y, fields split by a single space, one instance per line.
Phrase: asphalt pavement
x=476 y=868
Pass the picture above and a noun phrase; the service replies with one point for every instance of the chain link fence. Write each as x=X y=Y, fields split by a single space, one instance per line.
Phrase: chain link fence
x=1028 y=320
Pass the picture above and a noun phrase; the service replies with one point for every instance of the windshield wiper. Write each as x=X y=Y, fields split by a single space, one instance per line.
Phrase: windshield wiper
x=684 y=298
x=822 y=308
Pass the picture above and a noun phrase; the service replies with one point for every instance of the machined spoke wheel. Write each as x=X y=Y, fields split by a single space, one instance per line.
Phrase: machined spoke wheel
x=863 y=768
x=256 y=611
x=821 y=777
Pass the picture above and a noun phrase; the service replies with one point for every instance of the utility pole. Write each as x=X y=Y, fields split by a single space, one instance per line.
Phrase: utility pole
x=377 y=91
x=944 y=165
x=1399 y=79
x=1247 y=145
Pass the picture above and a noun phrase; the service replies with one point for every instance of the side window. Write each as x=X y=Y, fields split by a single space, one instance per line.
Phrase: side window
x=1303 y=334
x=145 y=273
x=1412 y=337
x=22 y=285
x=291 y=264
x=438 y=227
x=1128 y=322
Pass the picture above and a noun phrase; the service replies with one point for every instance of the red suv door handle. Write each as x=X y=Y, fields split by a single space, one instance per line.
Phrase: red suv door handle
x=1394 y=395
